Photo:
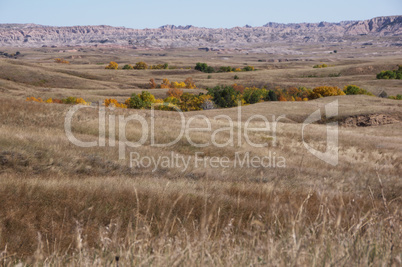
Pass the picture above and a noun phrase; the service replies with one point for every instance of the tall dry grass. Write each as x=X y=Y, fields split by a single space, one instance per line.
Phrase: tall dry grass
x=64 y=205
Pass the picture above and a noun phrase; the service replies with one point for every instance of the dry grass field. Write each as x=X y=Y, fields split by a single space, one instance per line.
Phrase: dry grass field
x=65 y=205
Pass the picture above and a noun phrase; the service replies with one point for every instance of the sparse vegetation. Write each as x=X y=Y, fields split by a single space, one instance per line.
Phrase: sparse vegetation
x=397 y=97
x=320 y=66
x=66 y=205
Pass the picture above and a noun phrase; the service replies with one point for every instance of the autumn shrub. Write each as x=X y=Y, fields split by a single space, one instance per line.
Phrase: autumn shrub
x=57 y=101
x=152 y=84
x=110 y=102
x=170 y=102
x=112 y=65
x=356 y=90
x=81 y=101
x=239 y=88
x=141 y=66
x=128 y=67
x=282 y=98
x=294 y=93
x=190 y=102
x=323 y=91
x=254 y=95
x=190 y=83
x=61 y=61
x=175 y=92
x=34 y=99
x=178 y=85
x=166 y=84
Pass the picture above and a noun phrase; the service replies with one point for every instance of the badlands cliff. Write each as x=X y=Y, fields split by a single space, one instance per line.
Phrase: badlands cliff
x=31 y=35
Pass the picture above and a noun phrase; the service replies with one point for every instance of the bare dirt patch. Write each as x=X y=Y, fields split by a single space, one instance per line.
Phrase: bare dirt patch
x=369 y=120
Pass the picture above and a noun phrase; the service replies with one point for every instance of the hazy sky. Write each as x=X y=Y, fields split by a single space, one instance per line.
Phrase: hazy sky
x=202 y=13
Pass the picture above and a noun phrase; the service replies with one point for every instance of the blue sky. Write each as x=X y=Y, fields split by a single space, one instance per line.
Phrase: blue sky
x=202 y=13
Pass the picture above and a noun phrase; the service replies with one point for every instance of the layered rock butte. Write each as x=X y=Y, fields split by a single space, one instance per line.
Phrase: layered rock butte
x=31 y=35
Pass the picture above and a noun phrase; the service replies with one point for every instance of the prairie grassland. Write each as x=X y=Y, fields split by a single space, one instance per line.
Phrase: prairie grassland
x=66 y=205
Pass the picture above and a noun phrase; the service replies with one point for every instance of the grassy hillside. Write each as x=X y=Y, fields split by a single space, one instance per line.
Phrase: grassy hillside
x=67 y=205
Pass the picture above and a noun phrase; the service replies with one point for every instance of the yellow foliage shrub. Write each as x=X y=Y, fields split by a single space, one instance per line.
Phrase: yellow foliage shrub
x=33 y=99
x=110 y=102
x=323 y=91
x=112 y=65
x=81 y=101
x=190 y=83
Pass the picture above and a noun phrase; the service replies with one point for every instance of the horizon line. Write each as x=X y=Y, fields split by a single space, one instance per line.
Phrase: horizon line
x=178 y=26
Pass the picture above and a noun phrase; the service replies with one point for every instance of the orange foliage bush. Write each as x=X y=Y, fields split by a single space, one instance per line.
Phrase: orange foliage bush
x=152 y=84
x=57 y=101
x=110 y=102
x=282 y=98
x=175 y=92
x=61 y=60
x=190 y=83
x=34 y=99
x=239 y=88
x=165 y=83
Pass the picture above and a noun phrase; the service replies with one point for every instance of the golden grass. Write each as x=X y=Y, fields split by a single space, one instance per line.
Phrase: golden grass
x=64 y=205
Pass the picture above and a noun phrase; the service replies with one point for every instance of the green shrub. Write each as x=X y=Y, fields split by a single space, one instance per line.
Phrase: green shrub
x=397 y=97
x=391 y=74
x=356 y=90
x=320 y=66
x=69 y=100
x=141 y=101
x=135 y=102
x=272 y=96
x=204 y=68
x=248 y=68
x=226 y=69
x=224 y=96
